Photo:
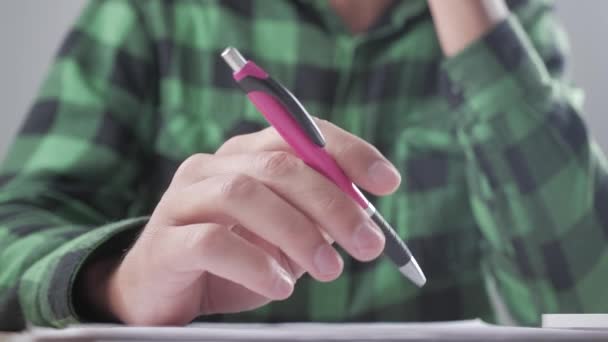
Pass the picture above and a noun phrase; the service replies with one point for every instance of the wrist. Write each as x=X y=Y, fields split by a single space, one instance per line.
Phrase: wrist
x=96 y=290
x=460 y=23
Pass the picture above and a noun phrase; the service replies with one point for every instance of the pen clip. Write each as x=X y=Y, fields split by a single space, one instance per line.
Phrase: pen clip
x=294 y=107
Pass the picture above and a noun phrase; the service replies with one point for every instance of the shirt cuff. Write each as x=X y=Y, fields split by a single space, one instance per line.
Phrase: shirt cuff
x=47 y=288
x=498 y=70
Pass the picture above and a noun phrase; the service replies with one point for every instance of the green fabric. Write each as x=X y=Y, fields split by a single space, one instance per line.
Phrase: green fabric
x=504 y=200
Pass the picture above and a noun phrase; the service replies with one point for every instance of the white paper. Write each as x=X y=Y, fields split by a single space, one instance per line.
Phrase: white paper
x=472 y=330
x=576 y=321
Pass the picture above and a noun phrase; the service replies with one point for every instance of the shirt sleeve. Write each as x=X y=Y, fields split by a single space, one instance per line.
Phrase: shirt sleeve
x=538 y=183
x=71 y=182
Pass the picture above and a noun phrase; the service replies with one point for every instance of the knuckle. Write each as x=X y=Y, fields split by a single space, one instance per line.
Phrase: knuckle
x=278 y=163
x=349 y=148
x=207 y=239
x=328 y=201
x=336 y=204
x=238 y=186
x=164 y=203
x=230 y=144
x=191 y=165
x=167 y=209
x=269 y=132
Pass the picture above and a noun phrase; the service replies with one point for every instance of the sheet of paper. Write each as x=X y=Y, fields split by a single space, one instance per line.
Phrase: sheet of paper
x=576 y=321
x=473 y=330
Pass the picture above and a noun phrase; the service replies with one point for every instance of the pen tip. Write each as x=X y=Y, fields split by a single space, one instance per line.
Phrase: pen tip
x=413 y=272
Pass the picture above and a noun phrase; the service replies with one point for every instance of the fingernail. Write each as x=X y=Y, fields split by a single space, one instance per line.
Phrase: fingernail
x=368 y=240
x=381 y=172
x=285 y=283
x=327 y=261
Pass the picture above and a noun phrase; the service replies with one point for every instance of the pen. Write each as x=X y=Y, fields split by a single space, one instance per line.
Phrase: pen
x=287 y=115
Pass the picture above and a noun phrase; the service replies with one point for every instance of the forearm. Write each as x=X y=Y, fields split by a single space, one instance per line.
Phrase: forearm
x=537 y=184
x=460 y=23
x=41 y=253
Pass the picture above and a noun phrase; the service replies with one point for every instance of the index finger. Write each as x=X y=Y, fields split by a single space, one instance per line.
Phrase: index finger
x=361 y=161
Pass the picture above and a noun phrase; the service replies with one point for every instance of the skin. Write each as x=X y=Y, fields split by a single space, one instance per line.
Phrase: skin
x=359 y=15
x=236 y=229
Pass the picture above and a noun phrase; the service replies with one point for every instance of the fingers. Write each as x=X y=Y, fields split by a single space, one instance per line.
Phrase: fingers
x=286 y=262
x=305 y=189
x=361 y=161
x=257 y=208
x=213 y=248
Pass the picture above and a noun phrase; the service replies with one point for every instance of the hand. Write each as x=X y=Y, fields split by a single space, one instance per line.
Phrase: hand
x=236 y=229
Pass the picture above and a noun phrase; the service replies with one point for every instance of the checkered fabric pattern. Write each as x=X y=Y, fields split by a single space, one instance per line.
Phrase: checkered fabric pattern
x=504 y=200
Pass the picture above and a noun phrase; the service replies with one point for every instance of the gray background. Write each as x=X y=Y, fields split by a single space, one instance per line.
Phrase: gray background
x=30 y=31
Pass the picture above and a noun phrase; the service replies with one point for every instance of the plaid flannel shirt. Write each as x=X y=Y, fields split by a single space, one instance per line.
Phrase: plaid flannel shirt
x=504 y=200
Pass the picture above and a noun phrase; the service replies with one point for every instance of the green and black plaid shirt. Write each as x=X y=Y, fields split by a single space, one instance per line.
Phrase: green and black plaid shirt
x=504 y=200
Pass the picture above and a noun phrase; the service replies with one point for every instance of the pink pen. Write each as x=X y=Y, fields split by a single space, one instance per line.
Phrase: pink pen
x=287 y=115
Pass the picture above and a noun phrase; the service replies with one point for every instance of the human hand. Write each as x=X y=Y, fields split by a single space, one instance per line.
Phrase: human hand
x=237 y=228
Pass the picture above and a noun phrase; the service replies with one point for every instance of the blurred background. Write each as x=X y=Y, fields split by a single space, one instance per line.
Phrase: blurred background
x=30 y=31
